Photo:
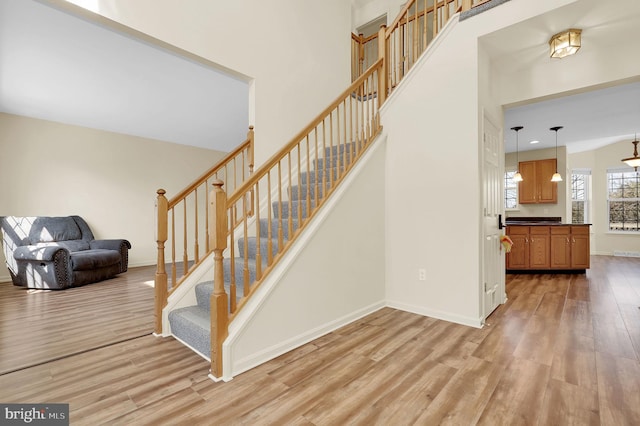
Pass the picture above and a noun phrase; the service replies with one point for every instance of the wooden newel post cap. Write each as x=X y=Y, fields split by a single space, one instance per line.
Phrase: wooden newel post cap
x=217 y=184
x=161 y=191
x=251 y=127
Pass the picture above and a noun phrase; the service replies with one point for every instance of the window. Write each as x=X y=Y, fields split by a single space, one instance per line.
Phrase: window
x=580 y=195
x=510 y=191
x=623 y=189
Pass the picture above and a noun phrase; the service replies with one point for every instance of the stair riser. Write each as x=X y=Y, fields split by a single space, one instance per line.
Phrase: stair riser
x=334 y=150
x=302 y=192
x=295 y=207
x=252 y=247
x=322 y=163
x=310 y=177
x=275 y=227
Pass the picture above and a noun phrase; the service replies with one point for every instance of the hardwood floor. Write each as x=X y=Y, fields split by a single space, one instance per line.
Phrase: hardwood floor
x=564 y=349
x=39 y=326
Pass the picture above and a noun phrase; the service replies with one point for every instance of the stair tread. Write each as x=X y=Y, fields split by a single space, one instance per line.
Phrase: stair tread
x=192 y=325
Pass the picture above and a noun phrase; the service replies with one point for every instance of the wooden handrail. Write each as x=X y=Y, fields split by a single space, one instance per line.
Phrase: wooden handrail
x=247 y=144
x=322 y=153
x=183 y=221
x=264 y=168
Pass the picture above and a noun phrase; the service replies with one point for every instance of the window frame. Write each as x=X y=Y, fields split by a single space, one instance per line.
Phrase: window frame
x=515 y=188
x=627 y=173
x=586 y=190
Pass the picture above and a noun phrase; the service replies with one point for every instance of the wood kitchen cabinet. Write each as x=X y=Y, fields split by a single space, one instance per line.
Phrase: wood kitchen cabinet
x=580 y=247
x=540 y=247
x=536 y=186
x=561 y=247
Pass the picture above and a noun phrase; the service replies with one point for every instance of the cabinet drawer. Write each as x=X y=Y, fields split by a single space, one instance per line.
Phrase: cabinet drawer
x=580 y=230
x=560 y=230
x=518 y=230
x=539 y=230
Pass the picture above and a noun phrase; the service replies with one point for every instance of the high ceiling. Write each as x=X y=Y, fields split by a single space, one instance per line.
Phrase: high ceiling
x=592 y=117
x=59 y=67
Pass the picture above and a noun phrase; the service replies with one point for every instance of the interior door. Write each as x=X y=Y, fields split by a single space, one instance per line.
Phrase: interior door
x=493 y=267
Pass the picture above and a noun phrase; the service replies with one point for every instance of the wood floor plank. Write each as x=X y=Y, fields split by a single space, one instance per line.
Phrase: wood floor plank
x=463 y=399
x=567 y=404
x=619 y=390
x=519 y=396
x=562 y=350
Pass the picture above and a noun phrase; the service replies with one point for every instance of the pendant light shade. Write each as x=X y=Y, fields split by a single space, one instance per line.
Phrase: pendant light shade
x=635 y=160
x=556 y=176
x=517 y=177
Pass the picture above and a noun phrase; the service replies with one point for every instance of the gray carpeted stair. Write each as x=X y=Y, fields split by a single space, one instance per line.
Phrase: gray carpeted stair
x=191 y=324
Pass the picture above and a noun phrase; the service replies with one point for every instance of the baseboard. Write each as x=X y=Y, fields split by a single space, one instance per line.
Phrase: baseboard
x=445 y=316
x=274 y=351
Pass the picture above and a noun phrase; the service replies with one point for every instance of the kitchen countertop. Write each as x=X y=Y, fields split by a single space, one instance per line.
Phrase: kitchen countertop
x=540 y=221
x=532 y=223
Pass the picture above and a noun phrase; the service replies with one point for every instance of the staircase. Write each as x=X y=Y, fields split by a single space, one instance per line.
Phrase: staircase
x=289 y=189
x=192 y=324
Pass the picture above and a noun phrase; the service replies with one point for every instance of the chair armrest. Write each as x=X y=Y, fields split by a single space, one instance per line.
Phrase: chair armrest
x=109 y=244
x=46 y=254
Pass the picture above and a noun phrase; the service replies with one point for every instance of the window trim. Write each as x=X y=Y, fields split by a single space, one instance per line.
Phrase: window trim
x=517 y=207
x=587 y=194
x=610 y=171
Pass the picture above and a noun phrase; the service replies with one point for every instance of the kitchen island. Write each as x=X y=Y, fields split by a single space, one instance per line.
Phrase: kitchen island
x=546 y=244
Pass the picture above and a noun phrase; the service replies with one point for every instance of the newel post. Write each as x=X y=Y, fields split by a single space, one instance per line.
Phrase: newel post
x=382 y=74
x=251 y=138
x=160 y=286
x=219 y=301
x=360 y=54
x=466 y=5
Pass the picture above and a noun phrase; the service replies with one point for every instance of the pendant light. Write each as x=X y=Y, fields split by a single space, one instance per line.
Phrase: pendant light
x=556 y=176
x=517 y=177
x=635 y=160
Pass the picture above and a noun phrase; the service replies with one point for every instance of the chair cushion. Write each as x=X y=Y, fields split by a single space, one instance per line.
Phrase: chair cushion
x=71 y=245
x=94 y=259
x=48 y=229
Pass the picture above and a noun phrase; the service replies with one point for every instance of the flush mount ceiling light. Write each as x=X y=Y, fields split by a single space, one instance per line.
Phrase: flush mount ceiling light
x=517 y=177
x=565 y=43
x=556 y=176
x=635 y=160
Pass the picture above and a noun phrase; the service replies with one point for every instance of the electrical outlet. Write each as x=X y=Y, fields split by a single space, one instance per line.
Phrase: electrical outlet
x=422 y=274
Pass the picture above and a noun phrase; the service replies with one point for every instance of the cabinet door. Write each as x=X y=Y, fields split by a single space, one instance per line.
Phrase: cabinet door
x=539 y=247
x=527 y=188
x=580 y=247
x=560 y=247
x=547 y=190
x=518 y=257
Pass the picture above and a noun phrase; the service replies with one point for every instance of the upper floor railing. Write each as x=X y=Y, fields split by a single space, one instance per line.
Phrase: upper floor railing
x=407 y=37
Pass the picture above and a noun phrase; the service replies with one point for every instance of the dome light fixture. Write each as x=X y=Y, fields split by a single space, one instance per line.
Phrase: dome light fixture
x=566 y=43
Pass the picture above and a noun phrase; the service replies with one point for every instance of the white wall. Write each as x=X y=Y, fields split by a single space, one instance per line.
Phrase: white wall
x=297 y=52
x=433 y=169
x=432 y=184
x=560 y=208
x=599 y=160
x=328 y=279
x=110 y=179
